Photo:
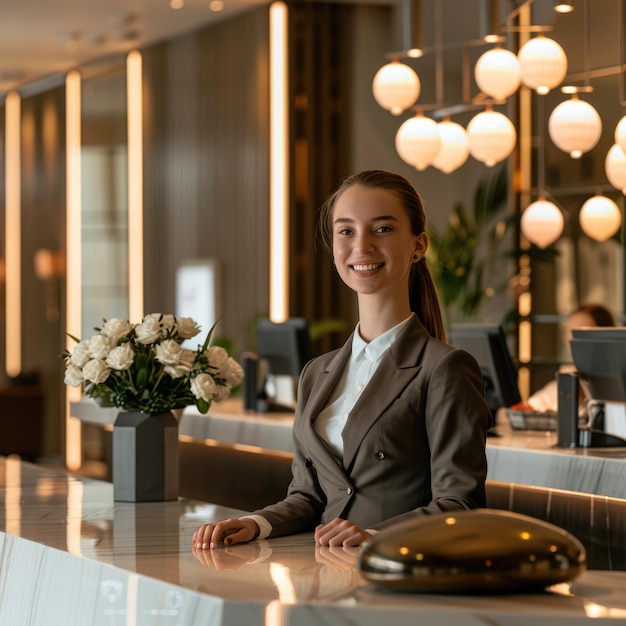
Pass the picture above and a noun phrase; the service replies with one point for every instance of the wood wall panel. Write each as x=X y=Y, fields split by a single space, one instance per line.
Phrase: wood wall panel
x=43 y=227
x=206 y=165
x=320 y=51
x=207 y=169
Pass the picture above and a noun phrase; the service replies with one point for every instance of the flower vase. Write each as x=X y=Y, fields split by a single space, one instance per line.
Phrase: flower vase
x=145 y=457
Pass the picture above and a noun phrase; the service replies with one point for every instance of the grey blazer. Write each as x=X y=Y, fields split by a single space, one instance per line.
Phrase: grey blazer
x=414 y=444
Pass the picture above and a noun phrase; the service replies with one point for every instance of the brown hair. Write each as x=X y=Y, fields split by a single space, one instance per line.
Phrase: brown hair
x=423 y=296
x=598 y=313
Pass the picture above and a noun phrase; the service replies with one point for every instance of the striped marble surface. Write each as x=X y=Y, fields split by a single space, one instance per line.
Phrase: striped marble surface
x=70 y=555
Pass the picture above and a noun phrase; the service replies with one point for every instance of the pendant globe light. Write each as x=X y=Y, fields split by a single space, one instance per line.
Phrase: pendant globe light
x=542 y=222
x=543 y=64
x=600 y=218
x=575 y=126
x=620 y=133
x=615 y=167
x=396 y=87
x=418 y=141
x=497 y=73
x=491 y=136
x=454 y=148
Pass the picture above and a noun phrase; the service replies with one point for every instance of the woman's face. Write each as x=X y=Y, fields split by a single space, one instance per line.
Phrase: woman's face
x=373 y=245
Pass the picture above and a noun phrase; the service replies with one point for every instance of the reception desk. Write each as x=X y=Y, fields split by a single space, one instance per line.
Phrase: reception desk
x=71 y=556
x=522 y=457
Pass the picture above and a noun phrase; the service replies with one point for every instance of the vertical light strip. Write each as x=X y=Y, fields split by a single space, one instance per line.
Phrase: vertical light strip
x=524 y=334
x=135 y=186
x=279 y=164
x=13 y=235
x=73 y=237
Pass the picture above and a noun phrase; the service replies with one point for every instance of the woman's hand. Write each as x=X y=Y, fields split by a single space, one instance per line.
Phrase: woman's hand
x=232 y=558
x=340 y=532
x=339 y=559
x=229 y=531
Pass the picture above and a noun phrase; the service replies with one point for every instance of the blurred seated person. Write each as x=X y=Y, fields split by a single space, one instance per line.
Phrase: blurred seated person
x=586 y=315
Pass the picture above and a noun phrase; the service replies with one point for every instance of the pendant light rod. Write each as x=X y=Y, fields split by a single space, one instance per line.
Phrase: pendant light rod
x=517 y=10
x=622 y=46
x=586 y=87
x=541 y=152
x=490 y=20
x=586 y=39
x=439 y=53
x=413 y=30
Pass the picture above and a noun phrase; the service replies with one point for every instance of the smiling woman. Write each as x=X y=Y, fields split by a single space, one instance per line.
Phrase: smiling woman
x=374 y=251
x=391 y=426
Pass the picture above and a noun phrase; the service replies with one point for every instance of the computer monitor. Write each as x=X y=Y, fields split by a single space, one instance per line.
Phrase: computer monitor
x=487 y=344
x=285 y=346
x=600 y=358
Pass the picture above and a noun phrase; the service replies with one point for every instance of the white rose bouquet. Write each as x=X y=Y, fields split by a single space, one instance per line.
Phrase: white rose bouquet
x=144 y=367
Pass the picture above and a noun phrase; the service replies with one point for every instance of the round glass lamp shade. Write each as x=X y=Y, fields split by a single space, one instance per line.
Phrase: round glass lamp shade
x=396 y=87
x=497 y=73
x=615 y=167
x=620 y=133
x=600 y=218
x=454 y=148
x=418 y=141
x=543 y=64
x=491 y=136
x=575 y=127
x=542 y=223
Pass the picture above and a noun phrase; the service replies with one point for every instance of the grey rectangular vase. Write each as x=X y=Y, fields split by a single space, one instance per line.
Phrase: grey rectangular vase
x=145 y=457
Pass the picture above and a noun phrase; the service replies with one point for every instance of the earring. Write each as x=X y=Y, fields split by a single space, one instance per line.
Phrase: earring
x=415 y=257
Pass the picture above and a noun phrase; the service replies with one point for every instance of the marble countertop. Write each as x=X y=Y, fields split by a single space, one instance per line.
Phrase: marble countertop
x=70 y=555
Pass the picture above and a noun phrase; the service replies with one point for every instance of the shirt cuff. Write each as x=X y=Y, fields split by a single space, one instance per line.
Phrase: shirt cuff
x=265 y=528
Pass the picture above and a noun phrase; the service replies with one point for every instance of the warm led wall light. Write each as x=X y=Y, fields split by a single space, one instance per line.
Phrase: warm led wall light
x=73 y=234
x=279 y=165
x=13 y=235
x=135 y=186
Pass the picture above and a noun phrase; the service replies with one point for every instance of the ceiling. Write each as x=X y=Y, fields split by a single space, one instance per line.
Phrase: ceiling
x=40 y=39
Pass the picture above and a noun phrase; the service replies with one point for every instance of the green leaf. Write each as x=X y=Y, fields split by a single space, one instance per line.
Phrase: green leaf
x=202 y=405
x=142 y=378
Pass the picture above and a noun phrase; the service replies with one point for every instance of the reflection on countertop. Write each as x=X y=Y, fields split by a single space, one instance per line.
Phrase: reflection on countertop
x=70 y=555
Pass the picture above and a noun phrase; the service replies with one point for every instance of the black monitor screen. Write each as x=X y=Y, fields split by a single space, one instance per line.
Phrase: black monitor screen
x=487 y=344
x=286 y=346
x=600 y=358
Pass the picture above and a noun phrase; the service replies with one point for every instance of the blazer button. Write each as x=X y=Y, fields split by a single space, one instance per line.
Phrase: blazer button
x=349 y=491
x=380 y=455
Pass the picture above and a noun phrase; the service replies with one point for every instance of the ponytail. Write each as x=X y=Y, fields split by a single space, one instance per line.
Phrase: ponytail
x=424 y=300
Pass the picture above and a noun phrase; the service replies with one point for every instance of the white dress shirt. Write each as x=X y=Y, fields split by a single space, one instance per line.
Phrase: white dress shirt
x=364 y=361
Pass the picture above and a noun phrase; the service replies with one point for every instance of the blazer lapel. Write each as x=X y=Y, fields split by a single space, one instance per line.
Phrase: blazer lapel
x=318 y=397
x=326 y=381
x=397 y=368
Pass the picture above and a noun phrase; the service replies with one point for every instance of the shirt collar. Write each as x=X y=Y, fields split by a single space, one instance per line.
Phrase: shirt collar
x=375 y=348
